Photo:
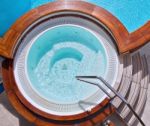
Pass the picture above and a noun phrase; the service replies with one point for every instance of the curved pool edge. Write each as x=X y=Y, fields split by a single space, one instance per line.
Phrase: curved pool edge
x=123 y=38
x=97 y=34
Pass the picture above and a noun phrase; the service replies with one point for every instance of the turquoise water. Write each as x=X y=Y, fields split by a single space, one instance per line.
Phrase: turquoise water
x=60 y=54
x=132 y=13
x=10 y=11
x=36 y=3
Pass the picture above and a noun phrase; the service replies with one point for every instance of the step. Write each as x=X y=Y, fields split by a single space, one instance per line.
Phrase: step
x=145 y=75
x=131 y=119
x=135 y=89
x=137 y=69
x=135 y=86
x=143 y=92
x=125 y=81
x=8 y=115
x=148 y=64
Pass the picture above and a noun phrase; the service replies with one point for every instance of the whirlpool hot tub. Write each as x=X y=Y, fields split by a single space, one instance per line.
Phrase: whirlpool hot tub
x=51 y=48
x=53 y=53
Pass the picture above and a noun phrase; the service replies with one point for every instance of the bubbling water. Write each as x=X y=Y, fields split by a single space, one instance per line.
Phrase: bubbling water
x=57 y=69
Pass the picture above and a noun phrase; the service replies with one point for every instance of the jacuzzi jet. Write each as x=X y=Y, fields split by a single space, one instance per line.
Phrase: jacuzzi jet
x=64 y=67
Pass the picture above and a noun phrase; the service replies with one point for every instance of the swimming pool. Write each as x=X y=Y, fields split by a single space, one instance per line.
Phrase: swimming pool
x=127 y=11
x=10 y=11
x=132 y=13
x=53 y=53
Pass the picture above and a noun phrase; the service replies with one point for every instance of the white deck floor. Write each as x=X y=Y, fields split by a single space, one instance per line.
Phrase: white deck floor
x=146 y=113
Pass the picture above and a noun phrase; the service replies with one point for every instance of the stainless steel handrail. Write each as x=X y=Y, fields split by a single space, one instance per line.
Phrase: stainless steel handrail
x=80 y=78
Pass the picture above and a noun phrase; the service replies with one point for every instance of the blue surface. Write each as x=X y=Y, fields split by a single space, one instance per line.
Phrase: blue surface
x=132 y=13
x=36 y=3
x=53 y=62
x=1 y=88
x=10 y=11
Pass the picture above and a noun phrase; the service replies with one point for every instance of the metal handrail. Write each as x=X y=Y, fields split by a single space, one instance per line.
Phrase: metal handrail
x=80 y=78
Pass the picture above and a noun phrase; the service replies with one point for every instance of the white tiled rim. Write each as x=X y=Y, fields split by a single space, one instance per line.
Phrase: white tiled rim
x=42 y=104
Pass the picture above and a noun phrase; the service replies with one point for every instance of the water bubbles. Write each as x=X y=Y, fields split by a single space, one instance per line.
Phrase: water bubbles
x=56 y=73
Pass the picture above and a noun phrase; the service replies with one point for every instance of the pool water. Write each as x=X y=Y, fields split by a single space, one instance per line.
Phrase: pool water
x=10 y=11
x=36 y=3
x=132 y=13
x=57 y=56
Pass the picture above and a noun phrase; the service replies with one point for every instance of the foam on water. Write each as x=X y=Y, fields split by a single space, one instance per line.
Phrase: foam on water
x=57 y=81
x=60 y=54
